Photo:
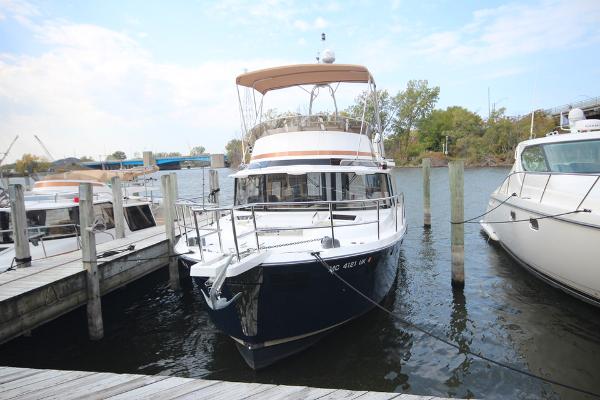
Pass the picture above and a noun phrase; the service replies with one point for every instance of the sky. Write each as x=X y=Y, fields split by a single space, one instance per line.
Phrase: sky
x=93 y=77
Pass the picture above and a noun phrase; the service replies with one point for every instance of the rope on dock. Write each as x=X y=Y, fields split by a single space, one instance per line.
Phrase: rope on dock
x=317 y=256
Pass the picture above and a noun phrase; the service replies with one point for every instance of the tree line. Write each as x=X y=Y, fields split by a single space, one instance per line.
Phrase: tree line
x=413 y=128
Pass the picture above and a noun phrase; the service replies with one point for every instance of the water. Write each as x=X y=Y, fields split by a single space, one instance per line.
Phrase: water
x=505 y=313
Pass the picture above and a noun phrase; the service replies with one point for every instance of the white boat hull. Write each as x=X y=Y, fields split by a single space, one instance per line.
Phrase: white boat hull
x=564 y=251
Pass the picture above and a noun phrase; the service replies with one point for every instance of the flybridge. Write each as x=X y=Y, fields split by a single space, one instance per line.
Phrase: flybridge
x=330 y=134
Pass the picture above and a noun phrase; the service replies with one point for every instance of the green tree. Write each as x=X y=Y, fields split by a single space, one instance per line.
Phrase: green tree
x=413 y=104
x=455 y=122
x=387 y=109
x=197 y=150
x=30 y=163
x=117 y=155
x=86 y=159
x=233 y=149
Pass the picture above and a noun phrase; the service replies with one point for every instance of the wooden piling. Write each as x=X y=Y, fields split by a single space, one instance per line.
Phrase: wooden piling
x=19 y=223
x=119 y=215
x=175 y=186
x=169 y=213
x=426 y=193
x=213 y=177
x=89 y=259
x=456 y=172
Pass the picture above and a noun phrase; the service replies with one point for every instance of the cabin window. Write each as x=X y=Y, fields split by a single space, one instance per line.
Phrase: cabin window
x=312 y=186
x=53 y=223
x=574 y=157
x=139 y=217
x=106 y=212
x=5 y=237
x=533 y=159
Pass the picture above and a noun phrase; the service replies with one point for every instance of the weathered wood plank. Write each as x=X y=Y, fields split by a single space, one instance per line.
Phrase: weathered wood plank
x=193 y=386
x=21 y=391
x=281 y=392
x=342 y=394
x=67 y=386
x=151 y=388
x=28 y=384
x=93 y=388
x=227 y=391
x=28 y=380
x=18 y=375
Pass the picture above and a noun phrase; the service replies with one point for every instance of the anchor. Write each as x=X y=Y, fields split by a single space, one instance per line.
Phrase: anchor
x=214 y=299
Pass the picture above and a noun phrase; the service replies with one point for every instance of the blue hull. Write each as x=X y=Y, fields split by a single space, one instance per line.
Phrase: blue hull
x=284 y=308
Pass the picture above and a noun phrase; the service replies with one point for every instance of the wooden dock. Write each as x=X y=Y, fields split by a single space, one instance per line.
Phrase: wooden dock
x=25 y=383
x=51 y=287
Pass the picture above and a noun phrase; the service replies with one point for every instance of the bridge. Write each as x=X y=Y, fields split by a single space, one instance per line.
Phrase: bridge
x=590 y=107
x=161 y=162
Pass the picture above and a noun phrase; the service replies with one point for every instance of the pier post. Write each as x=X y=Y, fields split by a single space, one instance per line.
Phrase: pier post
x=213 y=178
x=426 y=193
x=169 y=212
x=90 y=264
x=27 y=182
x=456 y=172
x=19 y=223
x=175 y=186
x=119 y=215
x=148 y=158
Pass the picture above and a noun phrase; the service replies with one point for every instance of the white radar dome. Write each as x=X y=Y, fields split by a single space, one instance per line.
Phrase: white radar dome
x=328 y=56
x=576 y=114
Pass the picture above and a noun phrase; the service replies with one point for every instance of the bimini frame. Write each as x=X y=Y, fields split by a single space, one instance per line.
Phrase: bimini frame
x=320 y=75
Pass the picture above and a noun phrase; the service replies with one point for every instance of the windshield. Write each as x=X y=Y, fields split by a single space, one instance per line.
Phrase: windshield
x=572 y=157
x=312 y=186
x=55 y=223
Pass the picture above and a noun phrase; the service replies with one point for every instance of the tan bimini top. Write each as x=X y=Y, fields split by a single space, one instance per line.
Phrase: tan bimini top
x=264 y=80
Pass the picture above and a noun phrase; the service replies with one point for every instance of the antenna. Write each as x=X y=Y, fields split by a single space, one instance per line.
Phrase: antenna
x=327 y=56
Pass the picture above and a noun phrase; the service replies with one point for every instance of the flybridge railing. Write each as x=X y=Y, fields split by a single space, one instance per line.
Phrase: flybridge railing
x=211 y=218
x=506 y=183
x=298 y=123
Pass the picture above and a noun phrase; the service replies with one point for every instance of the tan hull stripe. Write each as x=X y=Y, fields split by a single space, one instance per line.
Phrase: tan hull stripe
x=289 y=339
x=59 y=183
x=313 y=153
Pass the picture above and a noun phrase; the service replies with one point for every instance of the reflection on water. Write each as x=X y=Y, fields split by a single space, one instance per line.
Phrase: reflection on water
x=504 y=313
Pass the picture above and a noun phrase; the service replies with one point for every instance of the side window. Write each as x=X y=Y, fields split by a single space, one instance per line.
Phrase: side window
x=139 y=217
x=533 y=159
x=105 y=210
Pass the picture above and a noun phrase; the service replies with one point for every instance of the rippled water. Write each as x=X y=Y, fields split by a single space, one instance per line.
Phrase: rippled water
x=504 y=313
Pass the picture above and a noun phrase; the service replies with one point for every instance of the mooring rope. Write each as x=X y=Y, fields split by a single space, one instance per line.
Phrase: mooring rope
x=317 y=256
x=485 y=213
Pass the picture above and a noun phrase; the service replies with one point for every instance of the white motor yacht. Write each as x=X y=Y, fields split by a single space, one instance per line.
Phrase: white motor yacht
x=316 y=202
x=546 y=213
x=52 y=211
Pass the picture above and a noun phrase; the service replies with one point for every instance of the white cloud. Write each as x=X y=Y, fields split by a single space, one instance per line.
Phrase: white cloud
x=515 y=29
x=95 y=90
x=318 y=23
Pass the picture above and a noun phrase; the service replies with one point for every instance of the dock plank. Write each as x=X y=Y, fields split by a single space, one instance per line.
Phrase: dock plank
x=227 y=391
x=182 y=390
x=21 y=391
x=153 y=387
x=28 y=380
x=91 y=390
x=281 y=392
x=18 y=375
x=29 y=384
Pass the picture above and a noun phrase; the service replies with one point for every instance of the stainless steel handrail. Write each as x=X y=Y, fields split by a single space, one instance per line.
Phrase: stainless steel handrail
x=38 y=228
x=394 y=202
x=550 y=174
